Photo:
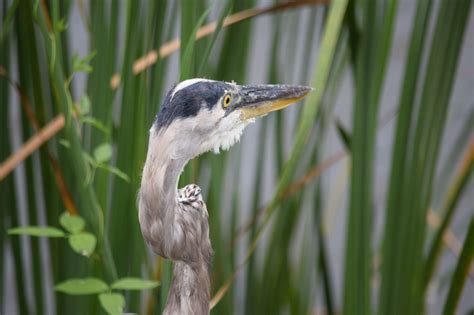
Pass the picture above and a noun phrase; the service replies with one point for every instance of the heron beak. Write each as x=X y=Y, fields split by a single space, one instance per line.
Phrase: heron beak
x=259 y=100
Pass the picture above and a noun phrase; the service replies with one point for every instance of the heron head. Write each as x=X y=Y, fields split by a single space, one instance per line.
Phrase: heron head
x=200 y=115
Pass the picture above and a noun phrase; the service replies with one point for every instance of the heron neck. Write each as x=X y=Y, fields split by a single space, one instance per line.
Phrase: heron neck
x=162 y=220
x=159 y=186
x=190 y=289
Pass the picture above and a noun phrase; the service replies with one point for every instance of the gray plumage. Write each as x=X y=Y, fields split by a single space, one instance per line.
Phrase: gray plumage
x=197 y=116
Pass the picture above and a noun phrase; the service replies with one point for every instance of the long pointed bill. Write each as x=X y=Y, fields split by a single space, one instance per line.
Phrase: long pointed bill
x=259 y=100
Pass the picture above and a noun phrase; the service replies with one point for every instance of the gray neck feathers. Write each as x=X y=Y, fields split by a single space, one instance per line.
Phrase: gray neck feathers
x=175 y=230
x=190 y=289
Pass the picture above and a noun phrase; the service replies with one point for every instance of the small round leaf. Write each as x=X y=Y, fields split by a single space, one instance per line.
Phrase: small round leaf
x=83 y=243
x=72 y=223
x=83 y=286
x=103 y=152
x=113 y=303
x=85 y=105
x=46 y=231
x=134 y=284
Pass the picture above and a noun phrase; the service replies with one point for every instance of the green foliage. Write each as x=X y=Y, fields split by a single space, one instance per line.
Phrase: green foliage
x=45 y=231
x=133 y=284
x=93 y=166
x=83 y=243
x=72 y=223
x=113 y=303
x=416 y=151
x=103 y=153
x=85 y=105
x=82 y=65
x=82 y=286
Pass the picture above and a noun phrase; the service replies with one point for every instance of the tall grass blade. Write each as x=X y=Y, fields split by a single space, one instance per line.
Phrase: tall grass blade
x=371 y=59
x=227 y=67
x=461 y=272
x=161 y=30
x=321 y=73
x=7 y=19
x=412 y=68
x=448 y=210
x=187 y=58
x=220 y=22
x=410 y=190
x=103 y=41
x=131 y=143
x=7 y=194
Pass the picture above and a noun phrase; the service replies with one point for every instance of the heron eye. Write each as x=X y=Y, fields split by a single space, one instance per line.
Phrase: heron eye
x=227 y=100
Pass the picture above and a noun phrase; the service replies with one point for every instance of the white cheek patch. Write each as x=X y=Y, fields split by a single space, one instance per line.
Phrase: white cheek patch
x=209 y=130
x=228 y=132
x=229 y=139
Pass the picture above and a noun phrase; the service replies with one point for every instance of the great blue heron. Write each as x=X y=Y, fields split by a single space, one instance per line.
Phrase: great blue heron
x=197 y=116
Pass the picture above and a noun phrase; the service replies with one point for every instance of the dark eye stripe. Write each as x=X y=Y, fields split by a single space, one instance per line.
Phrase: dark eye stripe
x=188 y=101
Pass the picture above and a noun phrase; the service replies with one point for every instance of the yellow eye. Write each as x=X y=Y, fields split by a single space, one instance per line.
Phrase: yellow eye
x=227 y=100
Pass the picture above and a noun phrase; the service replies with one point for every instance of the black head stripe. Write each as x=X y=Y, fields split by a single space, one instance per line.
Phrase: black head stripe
x=188 y=101
x=164 y=111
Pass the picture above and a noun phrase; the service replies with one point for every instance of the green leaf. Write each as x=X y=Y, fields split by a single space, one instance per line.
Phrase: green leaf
x=94 y=123
x=83 y=243
x=64 y=143
x=112 y=303
x=134 y=284
x=82 y=286
x=103 y=152
x=82 y=65
x=60 y=26
x=39 y=231
x=114 y=171
x=72 y=223
x=89 y=159
x=85 y=104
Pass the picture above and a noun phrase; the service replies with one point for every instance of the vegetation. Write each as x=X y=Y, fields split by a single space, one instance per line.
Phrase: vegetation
x=80 y=187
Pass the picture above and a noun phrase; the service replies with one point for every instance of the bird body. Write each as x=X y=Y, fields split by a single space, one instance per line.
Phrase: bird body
x=196 y=116
x=190 y=289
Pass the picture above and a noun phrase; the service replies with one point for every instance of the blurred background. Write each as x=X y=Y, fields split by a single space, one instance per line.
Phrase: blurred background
x=359 y=200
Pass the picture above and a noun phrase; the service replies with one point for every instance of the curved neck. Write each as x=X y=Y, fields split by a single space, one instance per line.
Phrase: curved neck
x=174 y=231
x=158 y=195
